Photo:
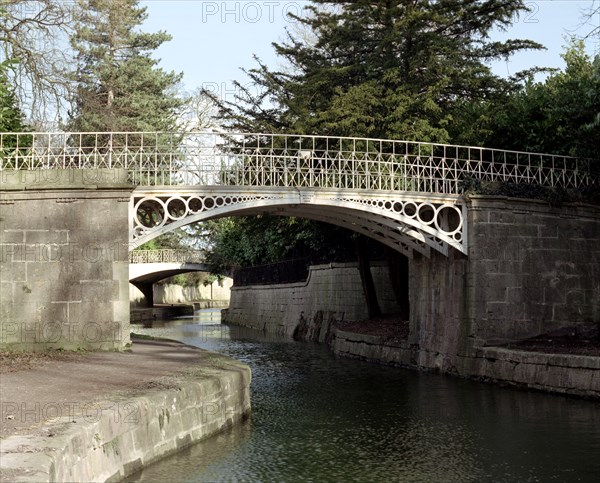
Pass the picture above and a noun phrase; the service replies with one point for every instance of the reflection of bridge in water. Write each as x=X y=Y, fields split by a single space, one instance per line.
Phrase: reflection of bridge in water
x=407 y=195
x=146 y=267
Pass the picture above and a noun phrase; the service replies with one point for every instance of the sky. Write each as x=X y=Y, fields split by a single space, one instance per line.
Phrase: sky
x=213 y=40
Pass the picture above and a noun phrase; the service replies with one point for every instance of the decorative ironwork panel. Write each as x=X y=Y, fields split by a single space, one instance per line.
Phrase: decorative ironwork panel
x=166 y=256
x=153 y=214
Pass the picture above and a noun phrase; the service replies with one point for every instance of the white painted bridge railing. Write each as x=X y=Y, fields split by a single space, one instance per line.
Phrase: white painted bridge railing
x=166 y=256
x=240 y=159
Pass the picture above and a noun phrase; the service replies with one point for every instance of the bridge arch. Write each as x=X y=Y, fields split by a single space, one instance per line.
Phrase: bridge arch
x=155 y=272
x=147 y=267
x=406 y=222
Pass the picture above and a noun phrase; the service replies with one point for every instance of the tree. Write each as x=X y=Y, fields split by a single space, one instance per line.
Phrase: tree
x=246 y=241
x=172 y=240
x=560 y=115
x=394 y=69
x=591 y=20
x=11 y=117
x=118 y=84
x=31 y=32
x=199 y=113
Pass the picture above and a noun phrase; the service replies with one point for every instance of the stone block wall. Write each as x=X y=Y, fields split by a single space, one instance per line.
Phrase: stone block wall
x=532 y=268
x=333 y=288
x=440 y=308
x=64 y=272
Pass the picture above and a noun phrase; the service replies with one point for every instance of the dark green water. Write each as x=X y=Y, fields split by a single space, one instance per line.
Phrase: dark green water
x=324 y=419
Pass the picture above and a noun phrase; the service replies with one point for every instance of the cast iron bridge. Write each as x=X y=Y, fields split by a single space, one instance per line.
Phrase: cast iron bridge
x=146 y=267
x=407 y=195
x=153 y=265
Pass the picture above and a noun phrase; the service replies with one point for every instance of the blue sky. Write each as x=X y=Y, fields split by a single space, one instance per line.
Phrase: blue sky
x=212 y=40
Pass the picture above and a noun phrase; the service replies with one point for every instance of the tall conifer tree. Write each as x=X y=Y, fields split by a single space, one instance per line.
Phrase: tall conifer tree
x=11 y=116
x=393 y=68
x=118 y=84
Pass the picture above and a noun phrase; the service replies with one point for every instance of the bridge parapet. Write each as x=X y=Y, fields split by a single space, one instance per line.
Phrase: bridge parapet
x=166 y=256
x=246 y=159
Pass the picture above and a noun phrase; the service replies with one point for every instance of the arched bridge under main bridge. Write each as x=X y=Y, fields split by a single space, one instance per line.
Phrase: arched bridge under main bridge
x=407 y=195
x=146 y=267
x=151 y=266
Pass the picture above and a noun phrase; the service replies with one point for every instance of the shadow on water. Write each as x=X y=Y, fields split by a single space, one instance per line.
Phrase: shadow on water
x=320 y=418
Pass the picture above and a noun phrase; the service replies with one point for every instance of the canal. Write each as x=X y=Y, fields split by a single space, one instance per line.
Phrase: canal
x=319 y=418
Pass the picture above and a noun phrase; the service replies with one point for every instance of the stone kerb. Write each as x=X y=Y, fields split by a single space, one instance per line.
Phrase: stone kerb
x=113 y=439
x=63 y=253
x=560 y=373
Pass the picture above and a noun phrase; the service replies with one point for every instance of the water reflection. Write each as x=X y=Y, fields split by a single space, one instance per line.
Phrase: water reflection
x=318 y=418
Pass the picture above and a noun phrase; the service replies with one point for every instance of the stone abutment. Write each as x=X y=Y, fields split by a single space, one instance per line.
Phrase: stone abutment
x=64 y=266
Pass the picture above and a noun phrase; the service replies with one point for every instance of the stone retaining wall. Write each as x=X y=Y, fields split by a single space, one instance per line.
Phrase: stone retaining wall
x=335 y=288
x=559 y=373
x=374 y=348
x=160 y=313
x=120 y=438
x=562 y=373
